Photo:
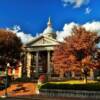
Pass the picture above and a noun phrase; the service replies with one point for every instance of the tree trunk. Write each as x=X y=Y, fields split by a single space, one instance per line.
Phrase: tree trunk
x=85 y=79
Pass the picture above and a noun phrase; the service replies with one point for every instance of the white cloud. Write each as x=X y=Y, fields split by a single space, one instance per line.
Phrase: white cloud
x=93 y=26
x=76 y=3
x=88 y=10
x=24 y=37
x=67 y=29
x=64 y=4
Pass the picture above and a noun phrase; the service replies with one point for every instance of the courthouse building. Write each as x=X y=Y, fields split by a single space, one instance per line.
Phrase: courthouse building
x=39 y=52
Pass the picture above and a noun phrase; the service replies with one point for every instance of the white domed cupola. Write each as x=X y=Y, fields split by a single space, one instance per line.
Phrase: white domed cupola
x=49 y=31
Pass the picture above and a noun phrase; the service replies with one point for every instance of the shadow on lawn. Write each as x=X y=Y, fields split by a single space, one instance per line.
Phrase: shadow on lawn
x=19 y=88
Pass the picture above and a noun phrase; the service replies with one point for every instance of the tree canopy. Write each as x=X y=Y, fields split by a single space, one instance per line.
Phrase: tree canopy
x=10 y=47
x=77 y=51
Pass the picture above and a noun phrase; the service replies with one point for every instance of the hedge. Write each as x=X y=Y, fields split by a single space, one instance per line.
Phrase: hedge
x=88 y=87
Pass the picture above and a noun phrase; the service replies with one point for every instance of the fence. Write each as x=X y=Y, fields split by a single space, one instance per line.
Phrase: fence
x=70 y=93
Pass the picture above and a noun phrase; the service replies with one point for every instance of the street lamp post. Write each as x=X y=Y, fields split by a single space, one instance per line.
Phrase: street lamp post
x=6 y=80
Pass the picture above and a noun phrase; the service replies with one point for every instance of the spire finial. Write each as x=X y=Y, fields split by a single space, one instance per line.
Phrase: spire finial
x=49 y=22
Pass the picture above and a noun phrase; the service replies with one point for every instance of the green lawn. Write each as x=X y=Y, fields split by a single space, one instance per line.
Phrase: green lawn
x=74 y=82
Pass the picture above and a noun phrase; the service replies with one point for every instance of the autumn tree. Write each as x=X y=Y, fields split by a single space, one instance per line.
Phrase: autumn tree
x=10 y=47
x=78 y=52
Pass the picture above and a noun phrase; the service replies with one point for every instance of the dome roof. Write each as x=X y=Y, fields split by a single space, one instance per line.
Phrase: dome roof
x=49 y=28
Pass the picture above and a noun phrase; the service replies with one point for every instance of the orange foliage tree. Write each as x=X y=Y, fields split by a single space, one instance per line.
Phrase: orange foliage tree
x=78 y=51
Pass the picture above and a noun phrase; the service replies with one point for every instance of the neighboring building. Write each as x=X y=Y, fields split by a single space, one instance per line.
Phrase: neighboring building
x=13 y=72
x=39 y=52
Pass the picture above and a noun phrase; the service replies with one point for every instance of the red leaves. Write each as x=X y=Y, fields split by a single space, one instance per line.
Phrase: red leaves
x=10 y=46
x=42 y=78
x=76 y=50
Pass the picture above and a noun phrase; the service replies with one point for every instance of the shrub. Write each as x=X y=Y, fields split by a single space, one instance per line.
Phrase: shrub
x=88 y=87
x=42 y=78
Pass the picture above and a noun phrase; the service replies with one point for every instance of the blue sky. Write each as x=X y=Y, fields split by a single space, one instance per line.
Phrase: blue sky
x=32 y=15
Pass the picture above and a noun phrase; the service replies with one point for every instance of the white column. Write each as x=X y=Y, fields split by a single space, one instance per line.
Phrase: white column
x=73 y=74
x=48 y=62
x=20 y=70
x=37 y=61
x=91 y=74
x=28 y=64
x=13 y=73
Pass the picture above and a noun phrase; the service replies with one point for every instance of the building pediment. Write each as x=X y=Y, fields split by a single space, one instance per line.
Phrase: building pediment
x=42 y=41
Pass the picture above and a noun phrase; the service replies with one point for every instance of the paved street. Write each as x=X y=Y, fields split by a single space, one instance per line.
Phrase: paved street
x=45 y=98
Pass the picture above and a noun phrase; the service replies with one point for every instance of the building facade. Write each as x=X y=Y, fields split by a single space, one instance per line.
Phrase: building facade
x=39 y=52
